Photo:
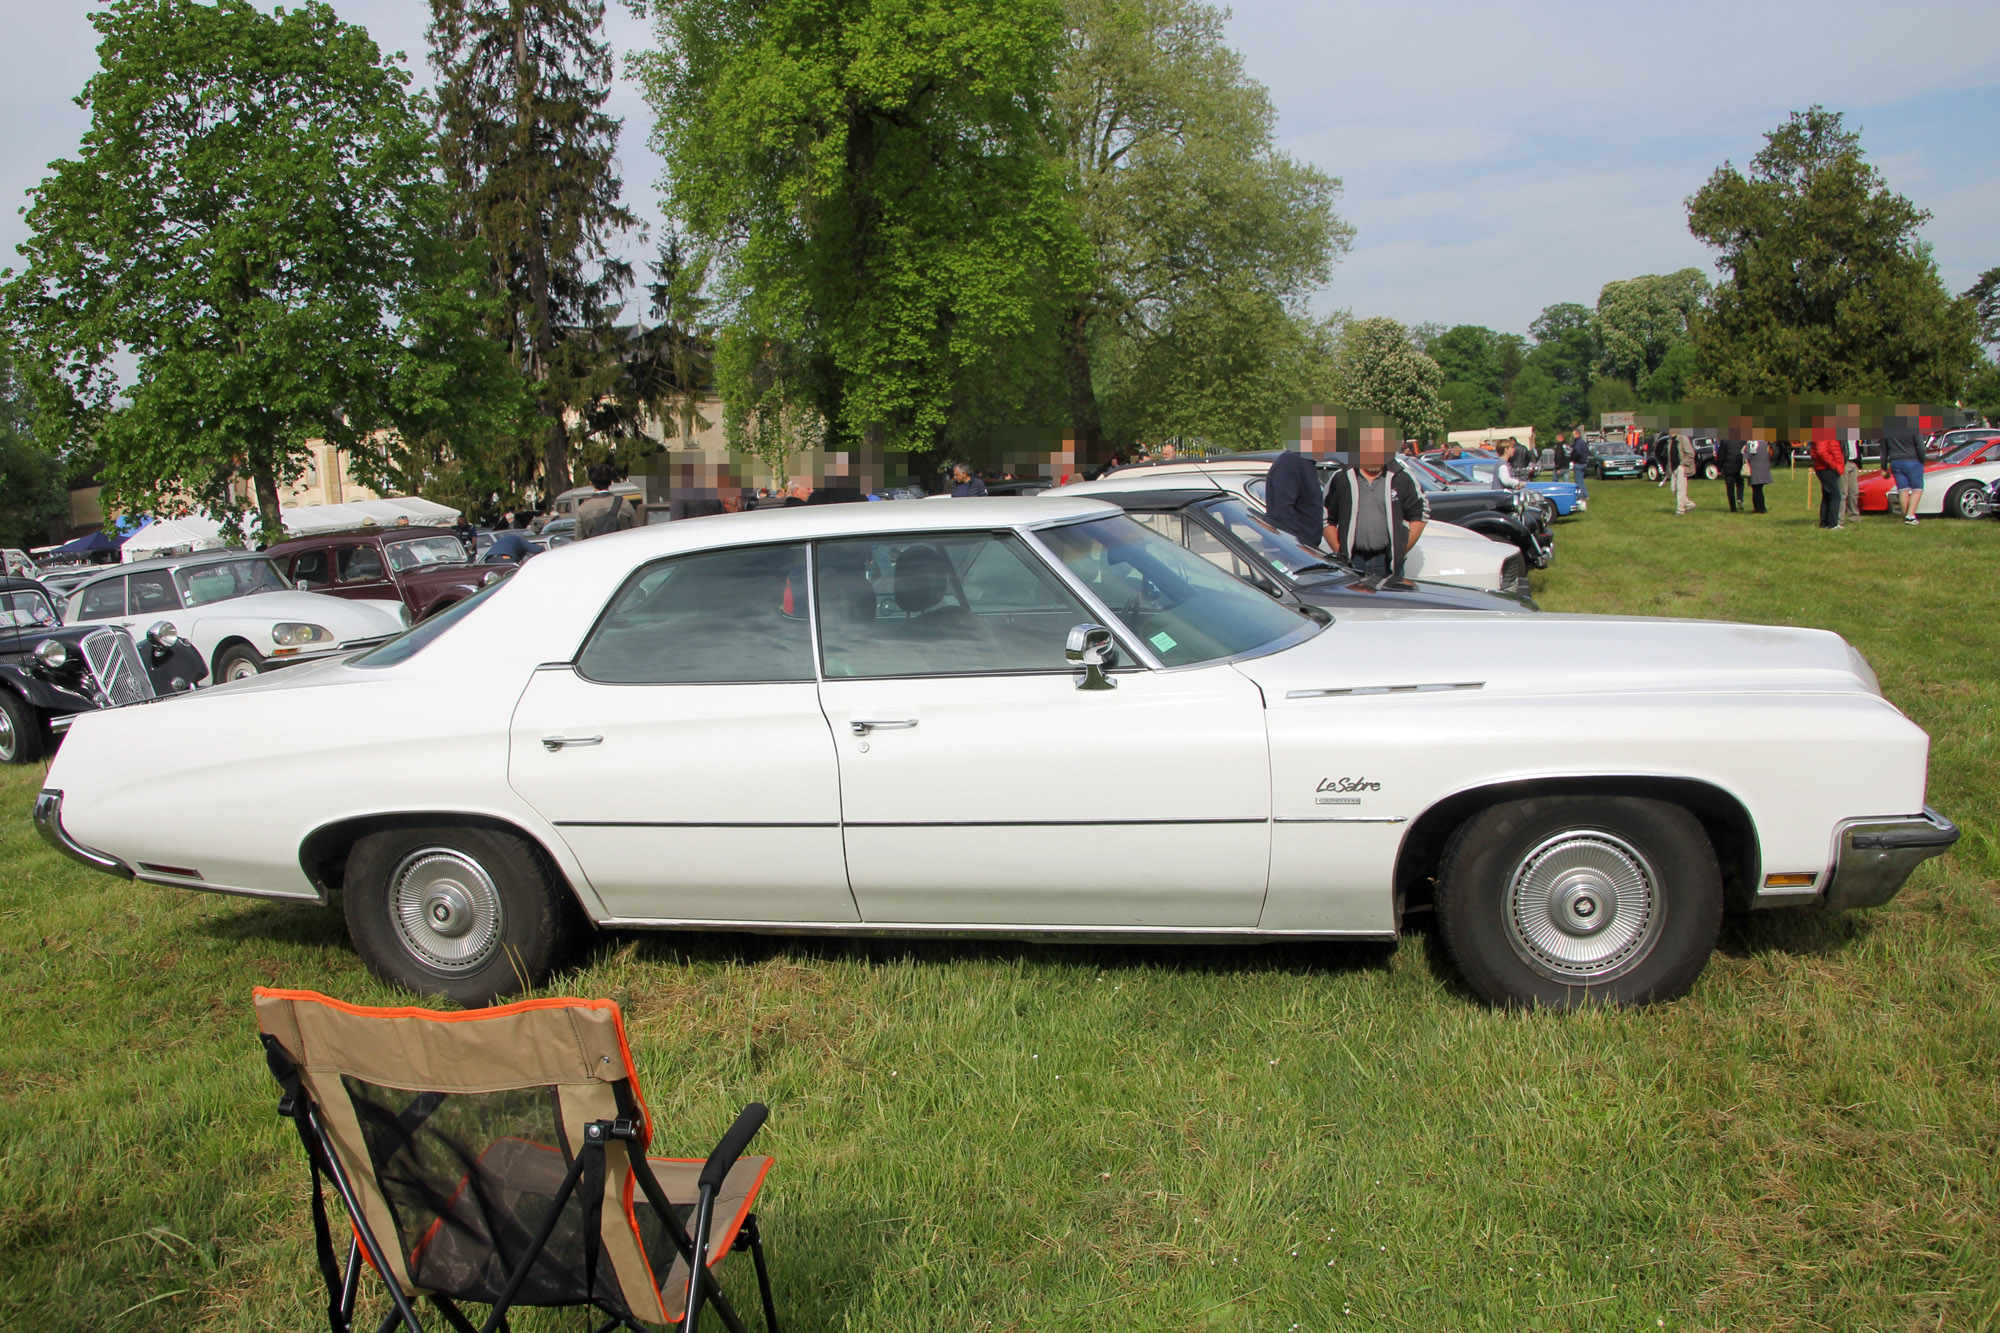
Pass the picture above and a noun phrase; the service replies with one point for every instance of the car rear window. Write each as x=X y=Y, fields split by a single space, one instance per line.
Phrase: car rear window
x=422 y=634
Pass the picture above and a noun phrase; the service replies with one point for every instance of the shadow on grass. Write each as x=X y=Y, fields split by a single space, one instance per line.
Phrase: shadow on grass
x=1294 y=958
x=275 y=923
x=1800 y=931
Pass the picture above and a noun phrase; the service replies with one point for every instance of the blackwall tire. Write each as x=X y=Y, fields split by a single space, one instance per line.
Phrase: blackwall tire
x=237 y=662
x=470 y=913
x=1567 y=901
x=20 y=730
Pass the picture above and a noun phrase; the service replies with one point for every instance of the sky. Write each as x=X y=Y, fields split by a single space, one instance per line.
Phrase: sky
x=1496 y=156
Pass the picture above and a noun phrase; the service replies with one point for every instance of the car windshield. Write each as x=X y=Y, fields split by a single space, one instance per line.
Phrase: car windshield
x=202 y=584
x=1280 y=550
x=1965 y=449
x=26 y=608
x=423 y=552
x=1186 y=609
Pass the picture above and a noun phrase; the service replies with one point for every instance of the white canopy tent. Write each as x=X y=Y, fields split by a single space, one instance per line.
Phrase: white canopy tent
x=172 y=536
x=196 y=532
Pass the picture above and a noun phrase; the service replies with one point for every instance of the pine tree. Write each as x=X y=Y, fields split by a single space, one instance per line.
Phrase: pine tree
x=529 y=151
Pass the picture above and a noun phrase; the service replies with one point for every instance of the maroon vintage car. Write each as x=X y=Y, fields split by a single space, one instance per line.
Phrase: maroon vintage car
x=426 y=567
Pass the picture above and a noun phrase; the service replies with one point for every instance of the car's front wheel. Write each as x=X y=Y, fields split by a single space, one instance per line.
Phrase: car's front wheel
x=20 y=730
x=1564 y=901
x=471 y=913
x=237 y=662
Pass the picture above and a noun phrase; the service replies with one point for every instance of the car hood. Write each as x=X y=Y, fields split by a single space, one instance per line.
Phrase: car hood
x=346 y=619
x=1551 y=654
x=1342 y=592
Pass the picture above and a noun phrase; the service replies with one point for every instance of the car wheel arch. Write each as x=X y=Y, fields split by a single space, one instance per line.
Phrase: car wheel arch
x=1723 y=818
x=222 y=651
x=323 y=853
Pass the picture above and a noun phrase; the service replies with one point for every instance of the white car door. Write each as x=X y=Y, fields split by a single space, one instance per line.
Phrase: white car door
x=980 y=786
x=683 y=755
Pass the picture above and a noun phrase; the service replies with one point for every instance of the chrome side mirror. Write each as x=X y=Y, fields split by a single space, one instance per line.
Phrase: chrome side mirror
x=1094 y=651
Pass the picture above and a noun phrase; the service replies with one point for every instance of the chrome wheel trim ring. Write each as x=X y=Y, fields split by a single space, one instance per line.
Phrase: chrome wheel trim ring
x=240 y=668
x=446 y=910
x=1583 y=906
x=10 y=740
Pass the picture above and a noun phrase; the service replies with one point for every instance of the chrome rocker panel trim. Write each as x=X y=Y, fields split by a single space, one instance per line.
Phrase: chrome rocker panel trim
x=1036 y=934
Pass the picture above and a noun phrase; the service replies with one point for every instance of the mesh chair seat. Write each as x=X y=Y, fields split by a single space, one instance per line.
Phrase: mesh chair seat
x=497 y=1156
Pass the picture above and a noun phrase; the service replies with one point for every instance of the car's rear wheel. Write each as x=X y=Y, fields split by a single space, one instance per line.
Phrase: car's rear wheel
x=1564 y=901
x=20 y=730
x=237 y=662
x=471 y=913
x=1966 y=500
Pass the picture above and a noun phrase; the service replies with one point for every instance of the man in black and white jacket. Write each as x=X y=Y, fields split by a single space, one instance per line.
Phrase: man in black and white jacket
x=1375 y=509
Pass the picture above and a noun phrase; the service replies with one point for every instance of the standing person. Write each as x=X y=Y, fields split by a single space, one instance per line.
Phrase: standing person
x=963 y=483
x=1850 y=479
x=1375 y=509
x=1579 y=462
x=1729 y=460
x=1292 y=498
x=601 y=511
x=1757 y=459
x=1828 y=460
x=1678 y=451
x=1903 y=459
x=797 y=493
x=1663 y=449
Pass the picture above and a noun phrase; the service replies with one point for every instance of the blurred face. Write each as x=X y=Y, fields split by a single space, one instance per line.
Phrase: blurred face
x=1373 y=454
x=1317 y=436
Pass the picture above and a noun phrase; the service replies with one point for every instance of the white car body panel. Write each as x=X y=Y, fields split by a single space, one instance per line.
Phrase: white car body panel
x=1938 y=483
x=1444 y=553
x=1268 y=794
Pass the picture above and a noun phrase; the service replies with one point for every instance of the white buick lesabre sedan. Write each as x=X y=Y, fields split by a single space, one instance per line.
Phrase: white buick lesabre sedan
x=1026 y=718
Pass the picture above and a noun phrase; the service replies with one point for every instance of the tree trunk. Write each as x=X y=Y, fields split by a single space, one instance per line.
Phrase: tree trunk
x=1084 y=422
x=269 y=514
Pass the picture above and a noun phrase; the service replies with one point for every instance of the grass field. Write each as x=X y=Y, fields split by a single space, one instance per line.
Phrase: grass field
x=996 y=1136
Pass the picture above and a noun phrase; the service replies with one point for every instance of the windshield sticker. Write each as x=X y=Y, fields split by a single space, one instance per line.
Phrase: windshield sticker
x=1163 y=641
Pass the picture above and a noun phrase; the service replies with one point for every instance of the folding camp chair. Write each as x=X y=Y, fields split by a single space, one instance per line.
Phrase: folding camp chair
x=498 y=1156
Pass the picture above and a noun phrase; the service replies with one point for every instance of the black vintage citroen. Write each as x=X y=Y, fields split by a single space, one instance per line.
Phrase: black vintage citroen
x=50 y=672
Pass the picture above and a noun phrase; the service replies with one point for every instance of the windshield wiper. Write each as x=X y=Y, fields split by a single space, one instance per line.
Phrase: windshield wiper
x=1317 y=564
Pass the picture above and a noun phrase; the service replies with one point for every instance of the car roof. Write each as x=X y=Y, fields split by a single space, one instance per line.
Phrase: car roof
x=1148 y=498
x=175 y=562
x=9 y=583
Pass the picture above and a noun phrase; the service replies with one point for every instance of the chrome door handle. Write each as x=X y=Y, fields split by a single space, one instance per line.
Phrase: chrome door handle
x=554 y=743
x=862 y=728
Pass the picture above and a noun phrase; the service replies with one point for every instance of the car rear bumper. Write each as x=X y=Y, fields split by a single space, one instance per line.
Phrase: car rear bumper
x=48 y=821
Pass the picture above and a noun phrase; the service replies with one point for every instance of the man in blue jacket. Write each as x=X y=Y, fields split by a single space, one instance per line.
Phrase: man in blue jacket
x=1579 y=461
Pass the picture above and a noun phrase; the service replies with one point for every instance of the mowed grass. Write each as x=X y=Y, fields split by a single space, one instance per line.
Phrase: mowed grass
x=1001 y=1136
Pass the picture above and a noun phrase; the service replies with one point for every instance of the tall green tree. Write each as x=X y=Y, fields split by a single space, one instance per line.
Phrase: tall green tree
x=1380 y=370
x=1565 y=347
x=34 y=501
x=1639 y=320
x=247 y=226
x=1826 y=287
x=530 y=155
x=873 y=181
x=1189 y=211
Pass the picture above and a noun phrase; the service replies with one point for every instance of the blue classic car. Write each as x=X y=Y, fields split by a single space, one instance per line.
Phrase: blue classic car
x=1562 y=494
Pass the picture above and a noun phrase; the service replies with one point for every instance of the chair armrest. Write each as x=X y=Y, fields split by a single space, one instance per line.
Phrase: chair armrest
x=732 y=1145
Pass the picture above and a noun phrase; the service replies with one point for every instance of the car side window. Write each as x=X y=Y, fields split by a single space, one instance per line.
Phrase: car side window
x=152 y=592
x=714 y=618
x=101 y=601
x=360 y=564
x=1170 y=526
x=947 y=604
x=309 y=570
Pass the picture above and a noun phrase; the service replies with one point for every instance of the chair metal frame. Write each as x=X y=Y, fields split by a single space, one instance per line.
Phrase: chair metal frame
x=343 y=1283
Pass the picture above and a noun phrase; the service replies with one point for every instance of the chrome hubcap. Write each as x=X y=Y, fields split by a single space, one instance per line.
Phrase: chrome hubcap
x=1583 y=906
x=7 y=738
x=447 y=909
x=239 y=669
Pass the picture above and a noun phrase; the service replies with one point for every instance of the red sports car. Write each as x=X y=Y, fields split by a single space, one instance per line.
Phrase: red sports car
x=1974 y=446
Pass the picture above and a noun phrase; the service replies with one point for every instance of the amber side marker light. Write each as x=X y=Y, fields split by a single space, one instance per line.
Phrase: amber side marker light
x=1789 y=881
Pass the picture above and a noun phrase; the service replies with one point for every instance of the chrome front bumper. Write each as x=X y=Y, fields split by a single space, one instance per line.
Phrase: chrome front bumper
x=1872 y=857
x=48 y=819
